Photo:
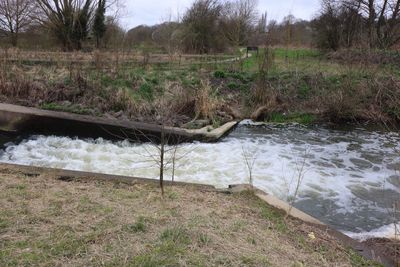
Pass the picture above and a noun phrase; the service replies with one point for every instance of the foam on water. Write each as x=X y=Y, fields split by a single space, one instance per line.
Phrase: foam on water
x=349 y=176
x=389 y=231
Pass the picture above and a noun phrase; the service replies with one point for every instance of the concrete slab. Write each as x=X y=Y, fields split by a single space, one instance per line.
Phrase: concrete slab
x=20 y=119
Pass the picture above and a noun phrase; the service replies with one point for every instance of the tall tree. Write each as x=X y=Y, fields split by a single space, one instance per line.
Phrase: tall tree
x=239 y=18
x=81 y=25
x=262 y=23
x=99 y=25
x=201 y=26
x=327 y=26
x=68 y=20
x=15 y=16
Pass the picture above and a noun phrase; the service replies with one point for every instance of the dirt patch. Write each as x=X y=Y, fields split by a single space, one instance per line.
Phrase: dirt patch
x=47 y=221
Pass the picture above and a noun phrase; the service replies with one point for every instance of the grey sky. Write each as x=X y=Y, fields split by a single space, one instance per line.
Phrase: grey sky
x=150 y=12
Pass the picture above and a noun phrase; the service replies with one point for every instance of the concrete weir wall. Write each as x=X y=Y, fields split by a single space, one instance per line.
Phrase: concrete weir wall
x=19 y=119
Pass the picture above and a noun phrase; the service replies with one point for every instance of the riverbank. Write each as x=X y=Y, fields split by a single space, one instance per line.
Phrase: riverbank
x=280 y=85
x=48 y=221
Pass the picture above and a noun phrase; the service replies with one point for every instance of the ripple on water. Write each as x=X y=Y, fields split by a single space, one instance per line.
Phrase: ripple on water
x=361 y=164
x=394 y=166
x=395 y=180
x=374 y=158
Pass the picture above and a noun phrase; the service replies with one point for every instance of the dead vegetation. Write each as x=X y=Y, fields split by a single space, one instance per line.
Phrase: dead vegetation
x=68 y=222
x=356 y=97
x=273 y=87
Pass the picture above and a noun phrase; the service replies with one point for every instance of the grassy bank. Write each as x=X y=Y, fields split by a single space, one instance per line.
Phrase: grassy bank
x=299 y=85
x=49 y=222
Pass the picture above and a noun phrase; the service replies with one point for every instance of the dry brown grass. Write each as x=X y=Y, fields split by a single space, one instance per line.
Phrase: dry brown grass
x=48 y=222
x=206 y=102
x=101 y=58
x=108 y=83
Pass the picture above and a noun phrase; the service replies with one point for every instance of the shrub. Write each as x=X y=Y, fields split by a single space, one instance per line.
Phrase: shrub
x=233 y=85
x=220 y=74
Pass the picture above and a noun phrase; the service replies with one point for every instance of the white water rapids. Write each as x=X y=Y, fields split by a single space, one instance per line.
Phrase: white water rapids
x=349 y=177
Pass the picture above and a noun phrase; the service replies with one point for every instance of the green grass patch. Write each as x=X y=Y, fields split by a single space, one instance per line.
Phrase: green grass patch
x=250 y=63
x=146 y=91
x=244 y=77
x=173 y=243
x=274 y=216
x=138 y=226
x=118 y=82
x=66 y=243
x=203 y=239
x=296 y=53
x=3 y=224
x=63 y=108
x=178 y=235
x=304 y=90
x=302 y=118
x=164 y=254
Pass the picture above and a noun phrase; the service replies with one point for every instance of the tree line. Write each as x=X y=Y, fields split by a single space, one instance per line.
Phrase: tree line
x=207 y=26
x=70 y=22
x=358 y=23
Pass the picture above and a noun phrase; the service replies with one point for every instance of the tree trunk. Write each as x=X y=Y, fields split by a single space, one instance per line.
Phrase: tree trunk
x=14 y=39
x=371 y=22
x=162 y=151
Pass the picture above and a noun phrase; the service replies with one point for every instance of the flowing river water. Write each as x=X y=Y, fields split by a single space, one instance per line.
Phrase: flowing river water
x=349 y=178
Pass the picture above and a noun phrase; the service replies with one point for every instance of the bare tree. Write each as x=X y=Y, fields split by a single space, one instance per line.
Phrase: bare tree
x=166 y=35
x=327 y=26
x=163 y=150
x=115 y=35
x=68 y=20
x=382 y=18
x=201 y=32
x=239 y=18
x=250 y=158
x=295 y=182
x=388 y=24
x=262 y=23
x=15 y=17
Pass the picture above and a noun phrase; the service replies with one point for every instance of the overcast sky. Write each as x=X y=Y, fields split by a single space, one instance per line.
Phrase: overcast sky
x=150 y=12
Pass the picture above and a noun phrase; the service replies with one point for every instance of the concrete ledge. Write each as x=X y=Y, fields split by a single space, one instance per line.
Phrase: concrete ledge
x=19 y=119
x=214 y=134
x=277 y=203
x=292 y=211
x=69 y=175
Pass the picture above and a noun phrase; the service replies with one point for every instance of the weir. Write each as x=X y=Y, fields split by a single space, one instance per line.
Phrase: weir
x=20 y=120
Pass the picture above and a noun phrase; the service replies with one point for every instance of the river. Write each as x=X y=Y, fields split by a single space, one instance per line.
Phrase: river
x=348 y=178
